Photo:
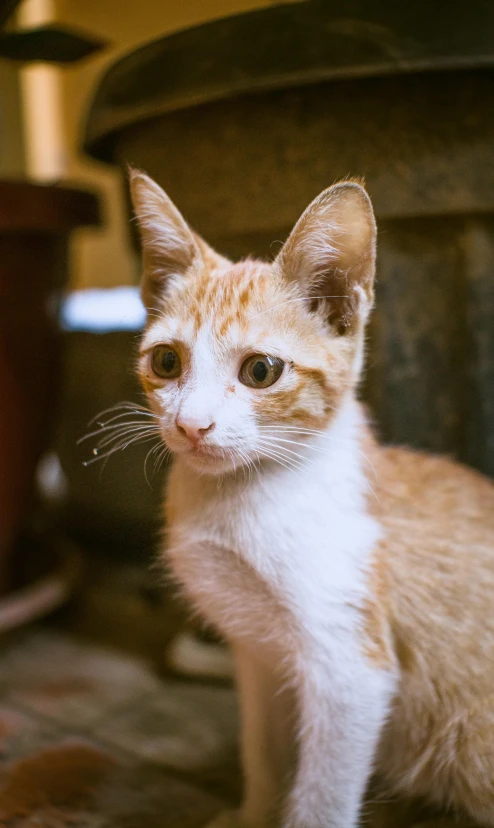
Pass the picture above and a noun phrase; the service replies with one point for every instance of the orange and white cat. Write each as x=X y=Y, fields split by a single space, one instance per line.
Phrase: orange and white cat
x=354 y=583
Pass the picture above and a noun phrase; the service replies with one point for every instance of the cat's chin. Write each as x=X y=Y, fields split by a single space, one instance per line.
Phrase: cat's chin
x=211 y=462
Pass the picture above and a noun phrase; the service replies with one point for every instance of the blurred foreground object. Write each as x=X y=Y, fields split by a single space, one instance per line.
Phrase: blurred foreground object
x=51 y=44
x=35 y=225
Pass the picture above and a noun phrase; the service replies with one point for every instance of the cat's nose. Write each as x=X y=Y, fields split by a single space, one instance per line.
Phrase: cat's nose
x=194 y=427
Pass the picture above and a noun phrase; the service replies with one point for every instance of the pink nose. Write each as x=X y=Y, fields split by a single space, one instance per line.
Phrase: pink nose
x=193 y=427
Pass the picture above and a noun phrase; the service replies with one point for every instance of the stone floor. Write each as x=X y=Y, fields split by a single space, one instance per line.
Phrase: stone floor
x=92 y=738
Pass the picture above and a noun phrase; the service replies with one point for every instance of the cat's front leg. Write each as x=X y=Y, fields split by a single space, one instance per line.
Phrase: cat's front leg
x=342 y=707
x=268 y=743
x=267 y=706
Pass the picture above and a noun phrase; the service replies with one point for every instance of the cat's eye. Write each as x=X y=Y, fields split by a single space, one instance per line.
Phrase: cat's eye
x=261 y=371
x=165 y=362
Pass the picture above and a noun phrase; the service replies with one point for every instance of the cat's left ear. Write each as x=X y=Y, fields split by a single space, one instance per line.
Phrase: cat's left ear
x=331 y=253
x=169 y=246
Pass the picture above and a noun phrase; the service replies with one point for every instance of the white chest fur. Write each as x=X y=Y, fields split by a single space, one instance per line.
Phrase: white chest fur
x=286 y=540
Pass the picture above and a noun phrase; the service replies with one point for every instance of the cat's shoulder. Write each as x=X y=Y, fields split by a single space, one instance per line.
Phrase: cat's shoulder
x=418 y=494
x=407 y=476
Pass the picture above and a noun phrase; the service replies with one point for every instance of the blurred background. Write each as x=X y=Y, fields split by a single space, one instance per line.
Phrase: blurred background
x=243 y=110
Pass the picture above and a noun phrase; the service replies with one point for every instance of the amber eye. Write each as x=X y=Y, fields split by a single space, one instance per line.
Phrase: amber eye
x=165 y=362
x=260 y=371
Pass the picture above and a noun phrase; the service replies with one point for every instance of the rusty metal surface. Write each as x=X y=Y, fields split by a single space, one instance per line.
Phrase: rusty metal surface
x=423 y=143
x=478 y=252
x=419 y=350
x=430 y=380
x=286 y=46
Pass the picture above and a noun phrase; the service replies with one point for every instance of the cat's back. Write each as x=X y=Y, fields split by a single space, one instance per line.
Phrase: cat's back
x=436 y=566
x=442 y=499
x=438 y=541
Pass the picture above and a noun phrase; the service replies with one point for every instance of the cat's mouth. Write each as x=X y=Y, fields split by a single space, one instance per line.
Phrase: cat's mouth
x=206 y=457
x=205 y=451
x=202 y=452
x=210 y=459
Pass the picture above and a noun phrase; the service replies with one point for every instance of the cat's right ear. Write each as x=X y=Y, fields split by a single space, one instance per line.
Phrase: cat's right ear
x=169 y=247
x=331 y=255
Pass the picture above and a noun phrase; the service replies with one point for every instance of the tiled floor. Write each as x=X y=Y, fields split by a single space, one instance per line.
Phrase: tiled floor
x=92 y=739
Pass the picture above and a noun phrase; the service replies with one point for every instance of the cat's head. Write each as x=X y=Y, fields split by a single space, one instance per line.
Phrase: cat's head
x=237 y=358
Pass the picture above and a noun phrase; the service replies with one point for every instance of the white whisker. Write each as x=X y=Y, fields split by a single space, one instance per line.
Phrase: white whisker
x=126 y=414
x=119 y=447
x=296 y=443
x=118 y=428
x=281 y=458
x=294 y=430
x=121 y=437
x=271 y=456
x=125 y=406
x=285 y=451
x=123 y=428
x=161 y=457
x=153 y=450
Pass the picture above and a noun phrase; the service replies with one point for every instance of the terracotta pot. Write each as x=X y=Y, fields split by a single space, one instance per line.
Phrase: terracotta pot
x=35 y=224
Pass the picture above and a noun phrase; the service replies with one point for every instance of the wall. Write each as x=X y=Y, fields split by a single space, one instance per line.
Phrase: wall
x=11 y=144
